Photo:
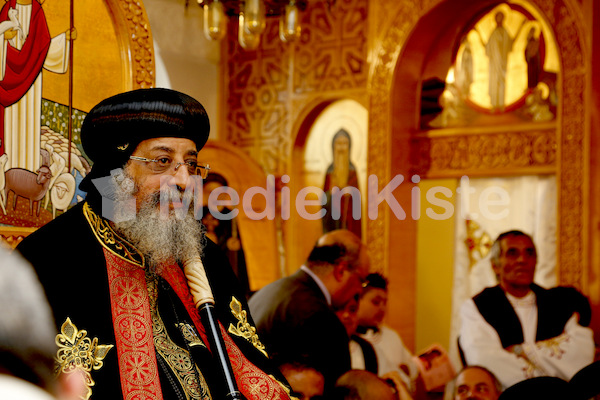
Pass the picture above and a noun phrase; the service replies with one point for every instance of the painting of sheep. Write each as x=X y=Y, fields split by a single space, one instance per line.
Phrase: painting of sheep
x=29 y=185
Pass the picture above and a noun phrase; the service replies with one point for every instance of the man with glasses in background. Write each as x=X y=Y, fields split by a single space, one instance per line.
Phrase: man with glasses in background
x=114 y=267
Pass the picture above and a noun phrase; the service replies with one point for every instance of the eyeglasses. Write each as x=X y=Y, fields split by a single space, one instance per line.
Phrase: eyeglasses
x=364 y=281
x=163 y=164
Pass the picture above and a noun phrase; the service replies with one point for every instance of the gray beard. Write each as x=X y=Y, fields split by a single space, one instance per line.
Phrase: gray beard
x=161 y=238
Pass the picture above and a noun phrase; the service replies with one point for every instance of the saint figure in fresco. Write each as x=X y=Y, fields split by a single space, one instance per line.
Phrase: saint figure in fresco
x=24 y=51
x=464 y=74
x=497 y=48
x=534 y=59
x=341 y=173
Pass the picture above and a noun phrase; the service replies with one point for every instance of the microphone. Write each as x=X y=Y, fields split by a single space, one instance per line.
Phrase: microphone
x=205 y=302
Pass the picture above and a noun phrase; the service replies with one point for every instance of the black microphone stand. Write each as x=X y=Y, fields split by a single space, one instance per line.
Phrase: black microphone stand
x=217 y=346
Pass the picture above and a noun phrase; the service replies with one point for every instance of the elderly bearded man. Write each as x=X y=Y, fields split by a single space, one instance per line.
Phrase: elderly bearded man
x=117 y=288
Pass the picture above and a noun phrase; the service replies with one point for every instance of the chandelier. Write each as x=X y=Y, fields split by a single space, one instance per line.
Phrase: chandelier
x=252 y=15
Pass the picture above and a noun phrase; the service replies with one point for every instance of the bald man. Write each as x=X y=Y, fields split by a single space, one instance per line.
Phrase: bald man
x=295 y=315
x=476 y=383
x=365 y=385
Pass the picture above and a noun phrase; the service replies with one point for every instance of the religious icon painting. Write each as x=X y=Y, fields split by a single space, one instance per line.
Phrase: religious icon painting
x=59 y=58
x=504 y=70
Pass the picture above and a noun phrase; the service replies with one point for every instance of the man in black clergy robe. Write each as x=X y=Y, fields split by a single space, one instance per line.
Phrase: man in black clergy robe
x=112 y=266
x=295 y=315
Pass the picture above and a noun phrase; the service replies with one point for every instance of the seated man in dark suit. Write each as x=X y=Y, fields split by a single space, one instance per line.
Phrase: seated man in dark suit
x=295 y=315
x=519 y=330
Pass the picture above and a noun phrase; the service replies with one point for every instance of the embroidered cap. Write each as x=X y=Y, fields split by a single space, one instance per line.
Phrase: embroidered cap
x=113 y=129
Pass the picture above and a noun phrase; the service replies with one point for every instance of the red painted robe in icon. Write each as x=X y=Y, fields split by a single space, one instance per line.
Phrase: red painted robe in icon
x=22 y=66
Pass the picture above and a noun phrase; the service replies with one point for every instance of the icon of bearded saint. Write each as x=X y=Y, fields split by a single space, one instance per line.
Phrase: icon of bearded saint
x=342 y=213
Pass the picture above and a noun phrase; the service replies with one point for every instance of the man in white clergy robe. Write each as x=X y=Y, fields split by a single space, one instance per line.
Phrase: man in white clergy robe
x=519 y=330
x=23 y=54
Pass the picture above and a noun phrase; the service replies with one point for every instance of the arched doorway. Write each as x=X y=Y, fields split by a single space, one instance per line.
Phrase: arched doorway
x=256 y=231
x=397 y=78
x=311 y=159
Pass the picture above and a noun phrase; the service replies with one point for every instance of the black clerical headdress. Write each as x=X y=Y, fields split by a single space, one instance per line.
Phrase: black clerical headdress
x=113 y=129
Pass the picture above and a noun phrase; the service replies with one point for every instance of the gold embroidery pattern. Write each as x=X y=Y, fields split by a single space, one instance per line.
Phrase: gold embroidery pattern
x=553 y=345
x=110 y=239
x=76 y=351
x=243 y=327
x=178 y=359
x=285 y=388
x=133 y=330
x=190 y=335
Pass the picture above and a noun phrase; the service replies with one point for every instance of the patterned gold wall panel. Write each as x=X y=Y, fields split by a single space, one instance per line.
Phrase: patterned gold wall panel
x=267 y=88
x=332 y=55
x=256 y=95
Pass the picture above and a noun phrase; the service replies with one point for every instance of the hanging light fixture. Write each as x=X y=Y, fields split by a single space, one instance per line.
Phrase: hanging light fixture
x=252 y=16
x=247 y=39
x=289 y=26
x=215 y=23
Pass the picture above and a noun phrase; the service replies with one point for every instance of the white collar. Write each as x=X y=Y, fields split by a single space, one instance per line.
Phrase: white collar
x=319 y=283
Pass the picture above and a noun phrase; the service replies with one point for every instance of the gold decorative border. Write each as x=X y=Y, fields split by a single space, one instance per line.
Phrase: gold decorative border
x=108 y=238
x=11 y=236
x=484 y=153
x=390 y=39
x=135 y=41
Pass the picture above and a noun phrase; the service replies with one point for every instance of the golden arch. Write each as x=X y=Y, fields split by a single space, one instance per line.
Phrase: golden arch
x=394 y=85
x=259 y=238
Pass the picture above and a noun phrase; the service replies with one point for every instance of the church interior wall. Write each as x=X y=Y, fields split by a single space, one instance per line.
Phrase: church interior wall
x=435 y=262
x=592 y=18
x=191 y=61
x=97 y=49
x=263 y=103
